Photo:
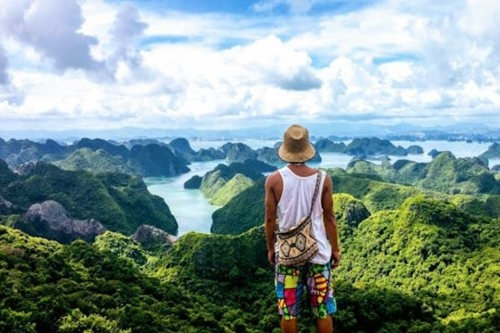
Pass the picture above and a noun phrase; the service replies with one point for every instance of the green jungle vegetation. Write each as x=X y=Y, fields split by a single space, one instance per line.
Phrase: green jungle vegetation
x=415 y=258
x=492 y=152
x=445 y=173
x=49 y=287
x=425 y=267
x=16 y=152
x=379 y=189
x=156 y=160
x=441 y=248
x=152 y=158
x=242 y=212
x=226 y=181
x=97 y=161
x=119 y=201
x=238 y=152
x=233 y=187
x=373 y=146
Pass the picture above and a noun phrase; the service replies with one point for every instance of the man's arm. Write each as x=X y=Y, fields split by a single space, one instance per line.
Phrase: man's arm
x=270 y=215
x=330 y=221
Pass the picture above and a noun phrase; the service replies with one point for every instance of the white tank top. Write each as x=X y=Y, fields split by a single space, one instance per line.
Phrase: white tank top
x=295 y=203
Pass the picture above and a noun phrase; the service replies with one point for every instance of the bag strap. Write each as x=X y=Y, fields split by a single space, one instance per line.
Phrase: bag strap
x=316 y=191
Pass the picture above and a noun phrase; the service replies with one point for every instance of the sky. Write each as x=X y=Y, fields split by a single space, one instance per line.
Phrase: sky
x=225 y=64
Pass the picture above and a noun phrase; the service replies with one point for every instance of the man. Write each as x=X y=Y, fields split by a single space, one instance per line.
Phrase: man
x=289 y=192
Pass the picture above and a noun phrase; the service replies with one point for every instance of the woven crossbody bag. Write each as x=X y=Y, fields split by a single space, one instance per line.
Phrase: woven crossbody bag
x=297 y=245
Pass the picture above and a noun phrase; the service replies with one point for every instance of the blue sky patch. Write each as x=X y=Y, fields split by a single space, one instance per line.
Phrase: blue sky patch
x=196 y=6
x=405 y=57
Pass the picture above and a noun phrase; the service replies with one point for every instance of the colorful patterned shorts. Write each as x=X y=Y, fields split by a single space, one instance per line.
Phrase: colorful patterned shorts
x=290 y=282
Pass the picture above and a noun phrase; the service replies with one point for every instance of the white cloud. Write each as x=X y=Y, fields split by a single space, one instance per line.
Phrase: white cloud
x=259 y=79
x=396 y=72
x=4 y=76
x=126 y=30
x=51 y=27
x=480 y=17
x=272 y=61
x=392 y=60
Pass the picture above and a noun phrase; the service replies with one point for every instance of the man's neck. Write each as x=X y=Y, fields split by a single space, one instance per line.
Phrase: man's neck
x=301 y=169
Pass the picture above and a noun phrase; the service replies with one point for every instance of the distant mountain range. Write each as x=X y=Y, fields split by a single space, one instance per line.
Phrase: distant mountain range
x=463 y=131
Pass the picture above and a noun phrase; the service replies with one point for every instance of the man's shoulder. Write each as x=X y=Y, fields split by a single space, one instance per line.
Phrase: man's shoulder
x=273 y=178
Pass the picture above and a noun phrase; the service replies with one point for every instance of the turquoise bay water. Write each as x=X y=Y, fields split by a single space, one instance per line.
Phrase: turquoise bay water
x=193 y=212
x=190 y=208
x=458 y=148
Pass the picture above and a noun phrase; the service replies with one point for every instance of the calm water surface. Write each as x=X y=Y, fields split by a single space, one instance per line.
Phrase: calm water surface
x=190 y=208
x=194 y=213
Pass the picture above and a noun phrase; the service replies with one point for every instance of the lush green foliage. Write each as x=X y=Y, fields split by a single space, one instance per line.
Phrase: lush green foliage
x=238 y=152
x=245 y=210
x=492 y=152
x=97 y=155
x=445 y=173
x=47 y=287
x=435 y=251
x=465 y=175
x=240 y=284
x=123 y=247
x=428 y=266
x=193 y=182
x=119 y=201
x=6 y=175
x=16 y=152
x=138 y=205
x=94 y=161
x=233 y=187
x=155 y=160
x=441 y=249
x=413 y=260
x=242 y=212
x=373 y=146
x=349 y=213
x=215 y=181
x=327 y=145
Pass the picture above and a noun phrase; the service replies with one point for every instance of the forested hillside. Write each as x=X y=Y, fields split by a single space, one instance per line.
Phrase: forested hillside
x=151 y=158
x=445 y=173
x=427 y=266
x=224 y=182
x=54 y=288
x=419 y=243
x=440 y=248
x=119 y=201
x=48 y=287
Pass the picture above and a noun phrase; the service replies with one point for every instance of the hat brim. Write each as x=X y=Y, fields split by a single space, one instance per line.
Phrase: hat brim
x=296 y=157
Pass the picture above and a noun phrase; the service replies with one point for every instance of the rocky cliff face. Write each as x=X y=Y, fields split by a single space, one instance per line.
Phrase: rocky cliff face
x=327 y=145
x=50 y=220
x=492 y=152
x=362 y=147
x=6 y=175
x=238 y=152
x=193 y=182
x=182 y=149
x=209 y=154
x=16 y=152
x=25 y=168
x=268 y=155
x=107 y=146
x=152 y=238
x=6 y=206
x=155 y=161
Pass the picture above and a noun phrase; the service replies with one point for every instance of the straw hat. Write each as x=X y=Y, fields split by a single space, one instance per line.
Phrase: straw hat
x=296 y=147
